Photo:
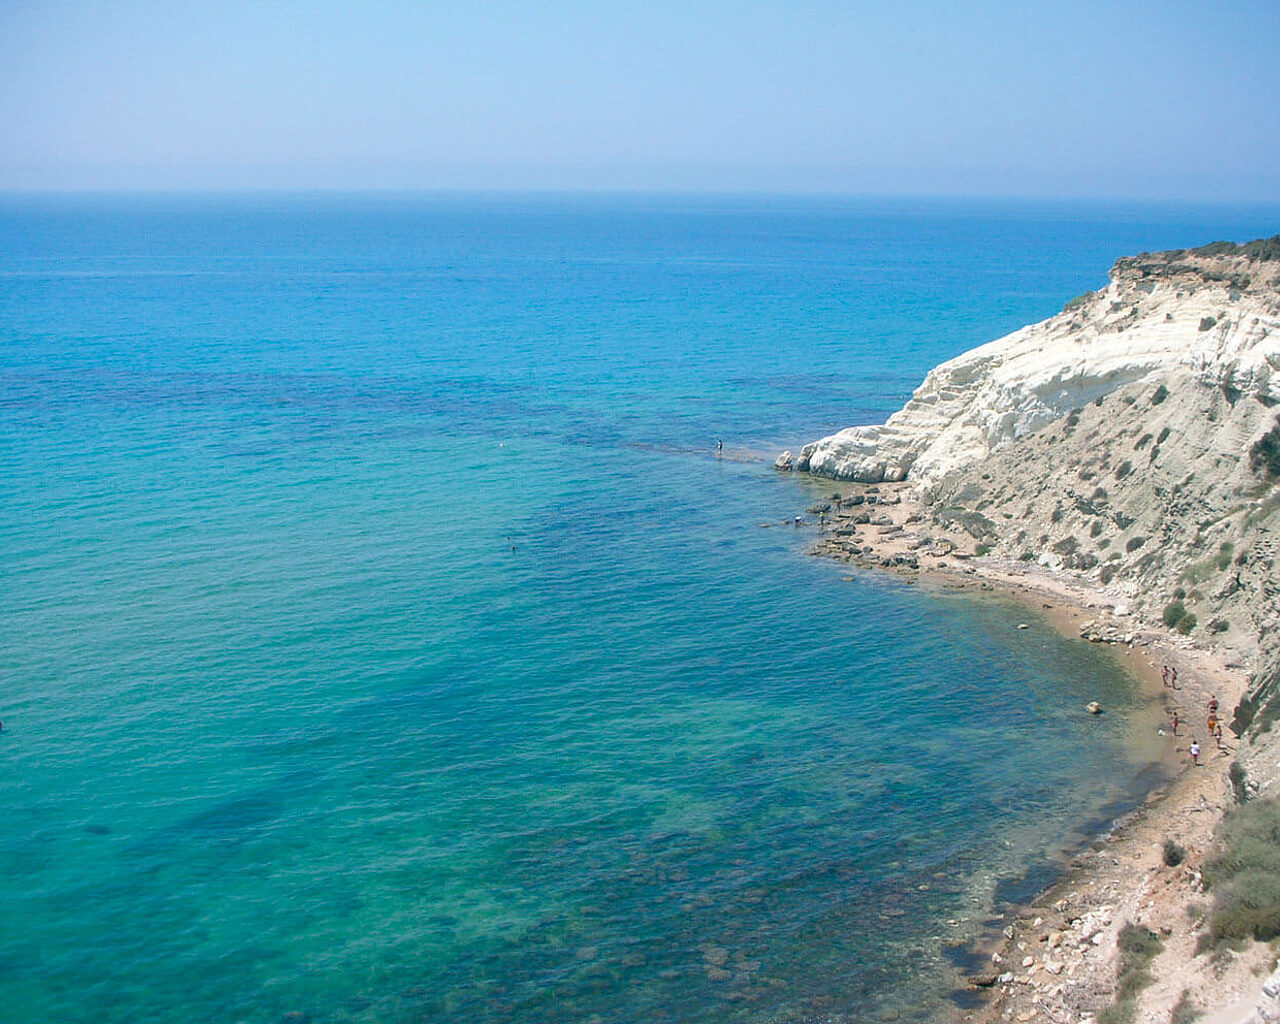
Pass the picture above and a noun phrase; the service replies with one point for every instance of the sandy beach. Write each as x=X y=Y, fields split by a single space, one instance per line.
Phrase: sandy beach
x=1054 y=960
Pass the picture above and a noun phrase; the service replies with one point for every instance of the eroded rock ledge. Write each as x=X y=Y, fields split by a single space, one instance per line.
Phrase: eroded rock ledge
x=1211 y=314
x=1130 y=447
x=1132 y=440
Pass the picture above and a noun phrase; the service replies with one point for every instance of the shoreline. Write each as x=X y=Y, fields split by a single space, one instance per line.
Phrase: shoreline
x=1053 y=958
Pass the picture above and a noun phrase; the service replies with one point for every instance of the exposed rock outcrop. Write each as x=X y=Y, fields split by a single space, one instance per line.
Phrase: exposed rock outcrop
x=1130 y=447
x=1132 y=440
x=1212 y=315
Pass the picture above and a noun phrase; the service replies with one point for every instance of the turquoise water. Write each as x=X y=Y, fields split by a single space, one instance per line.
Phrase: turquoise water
x=384 y=640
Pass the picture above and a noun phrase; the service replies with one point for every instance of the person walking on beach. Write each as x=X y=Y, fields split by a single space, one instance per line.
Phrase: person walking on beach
x=1213 y=704
x=1173 y=677
x=1194 y=751
x=1218 y=735
x=1213 y=723
x=1175 y=723
x=1164 y=675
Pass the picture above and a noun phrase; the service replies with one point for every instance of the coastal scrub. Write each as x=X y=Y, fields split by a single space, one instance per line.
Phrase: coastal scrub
x=1244 y=877
x=1138 y=947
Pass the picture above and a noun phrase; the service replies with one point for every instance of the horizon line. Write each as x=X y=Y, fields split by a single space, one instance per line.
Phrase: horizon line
x=512 y=191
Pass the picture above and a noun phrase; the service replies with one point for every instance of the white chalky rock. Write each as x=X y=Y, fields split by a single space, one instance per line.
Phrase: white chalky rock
x=1139 y=325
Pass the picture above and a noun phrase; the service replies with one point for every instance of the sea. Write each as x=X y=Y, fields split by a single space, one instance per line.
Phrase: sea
x=386 y=636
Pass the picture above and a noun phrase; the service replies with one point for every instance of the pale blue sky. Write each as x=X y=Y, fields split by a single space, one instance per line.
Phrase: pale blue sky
x=1086 y=98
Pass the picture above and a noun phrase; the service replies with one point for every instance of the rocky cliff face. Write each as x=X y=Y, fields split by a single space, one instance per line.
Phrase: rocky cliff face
x=1132 y=440
x=1211 y=315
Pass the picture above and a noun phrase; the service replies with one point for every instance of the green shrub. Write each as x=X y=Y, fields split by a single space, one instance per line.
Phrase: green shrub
x=1107 y=573
x=1179 y=594
x=1164 y=436
x=1159 y=395
x=1124 y=469
x=1138 y=947
x=1217 y=249
x=1263 y=248
x=1186 y=624
x=1206 y=322
x=1237 y=775
x=1173 y=853
x=1095 y=529
x=1121 y=1013
x=1250 y=907
x=1264 y=456
x=1185 y=1011
x=1133 y=543
x=1077 y=302
x=1173 y=613
x=1218 y=625
x=1225 y=551
x=1245 y=876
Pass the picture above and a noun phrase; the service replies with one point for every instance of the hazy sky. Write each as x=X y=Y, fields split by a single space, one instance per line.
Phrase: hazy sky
x=1074 y=98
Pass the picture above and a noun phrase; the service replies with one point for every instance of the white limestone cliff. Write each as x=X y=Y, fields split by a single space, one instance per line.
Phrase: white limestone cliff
x=1212 y=313
x=1130 y=445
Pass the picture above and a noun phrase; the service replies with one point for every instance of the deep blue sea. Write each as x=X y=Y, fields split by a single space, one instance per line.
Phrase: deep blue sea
x=383 y=639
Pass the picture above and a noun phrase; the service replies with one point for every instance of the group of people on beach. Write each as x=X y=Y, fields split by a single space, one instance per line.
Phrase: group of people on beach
x=1213 y=722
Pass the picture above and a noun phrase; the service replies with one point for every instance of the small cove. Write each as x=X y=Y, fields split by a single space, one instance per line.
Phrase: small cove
x=386 y=642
